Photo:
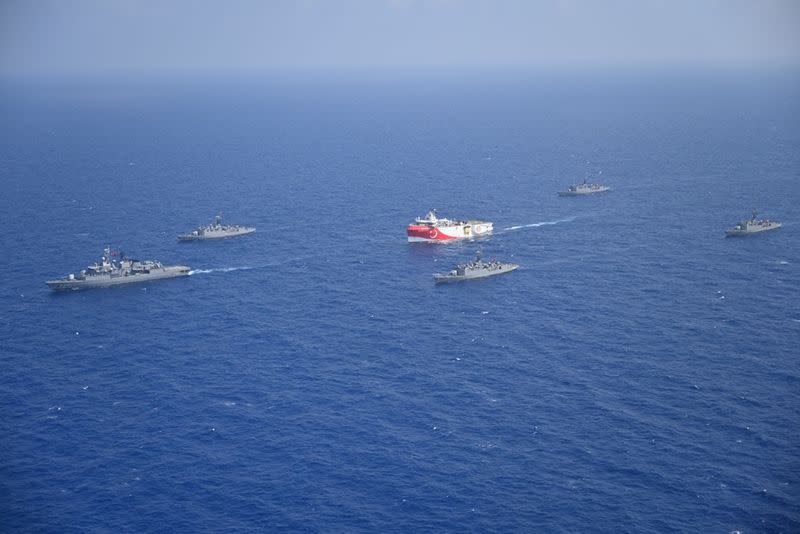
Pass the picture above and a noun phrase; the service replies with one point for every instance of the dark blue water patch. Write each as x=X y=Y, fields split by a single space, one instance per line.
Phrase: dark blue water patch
x=637 y=373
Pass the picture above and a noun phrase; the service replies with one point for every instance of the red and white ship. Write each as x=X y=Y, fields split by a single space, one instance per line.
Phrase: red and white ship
x=432 y=228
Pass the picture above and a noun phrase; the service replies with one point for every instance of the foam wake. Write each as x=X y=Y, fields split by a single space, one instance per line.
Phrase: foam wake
x=292 y=263
x=536 y=224
x=219 y=270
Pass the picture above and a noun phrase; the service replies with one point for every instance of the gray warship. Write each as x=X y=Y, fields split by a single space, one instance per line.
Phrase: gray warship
x=583 y=188
x=752 y=226
x=113 y=273
x=216 y=230
x=476 y=269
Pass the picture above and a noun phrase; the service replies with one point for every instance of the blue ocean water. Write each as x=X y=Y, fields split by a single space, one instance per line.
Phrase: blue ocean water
x=639 y=373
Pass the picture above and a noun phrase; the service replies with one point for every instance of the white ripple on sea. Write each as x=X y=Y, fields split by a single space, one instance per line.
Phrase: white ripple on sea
x=219 y=270
x=536 y=224
x=248 y=267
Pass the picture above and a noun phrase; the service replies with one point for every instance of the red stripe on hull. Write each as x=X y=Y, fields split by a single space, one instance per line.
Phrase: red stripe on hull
x=426 y=232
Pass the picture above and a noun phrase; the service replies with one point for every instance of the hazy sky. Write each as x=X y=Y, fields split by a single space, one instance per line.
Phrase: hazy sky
x=119 y=36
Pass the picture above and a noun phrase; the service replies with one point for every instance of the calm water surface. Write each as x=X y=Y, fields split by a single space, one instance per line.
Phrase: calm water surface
x=639 y=373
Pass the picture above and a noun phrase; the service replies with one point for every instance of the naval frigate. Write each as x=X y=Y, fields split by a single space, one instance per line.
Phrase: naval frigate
x=216 y=230
x=752 y=226
x=108 y=272
x=583 y=188
x=475 y=269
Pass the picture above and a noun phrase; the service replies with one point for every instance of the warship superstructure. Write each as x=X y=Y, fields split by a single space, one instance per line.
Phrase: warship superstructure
x=476 y=269
x=109 y=272
x=583 y=188
x=432 y=228
x=752 y=226
x=216 y=230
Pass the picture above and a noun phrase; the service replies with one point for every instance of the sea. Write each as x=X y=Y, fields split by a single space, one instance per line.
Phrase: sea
x=640 y=372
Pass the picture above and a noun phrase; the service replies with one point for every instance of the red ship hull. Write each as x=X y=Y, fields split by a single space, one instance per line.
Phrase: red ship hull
x=427 y=233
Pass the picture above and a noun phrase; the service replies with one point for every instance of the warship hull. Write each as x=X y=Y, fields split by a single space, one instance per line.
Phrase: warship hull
x=98 y=281
x=757 y=229
x=579 y=193
x=221 y=234
x=475 y=275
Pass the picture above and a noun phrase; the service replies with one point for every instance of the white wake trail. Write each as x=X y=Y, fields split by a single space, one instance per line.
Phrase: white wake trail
x=296 y=262
x=536 y=224
x=220 y=270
